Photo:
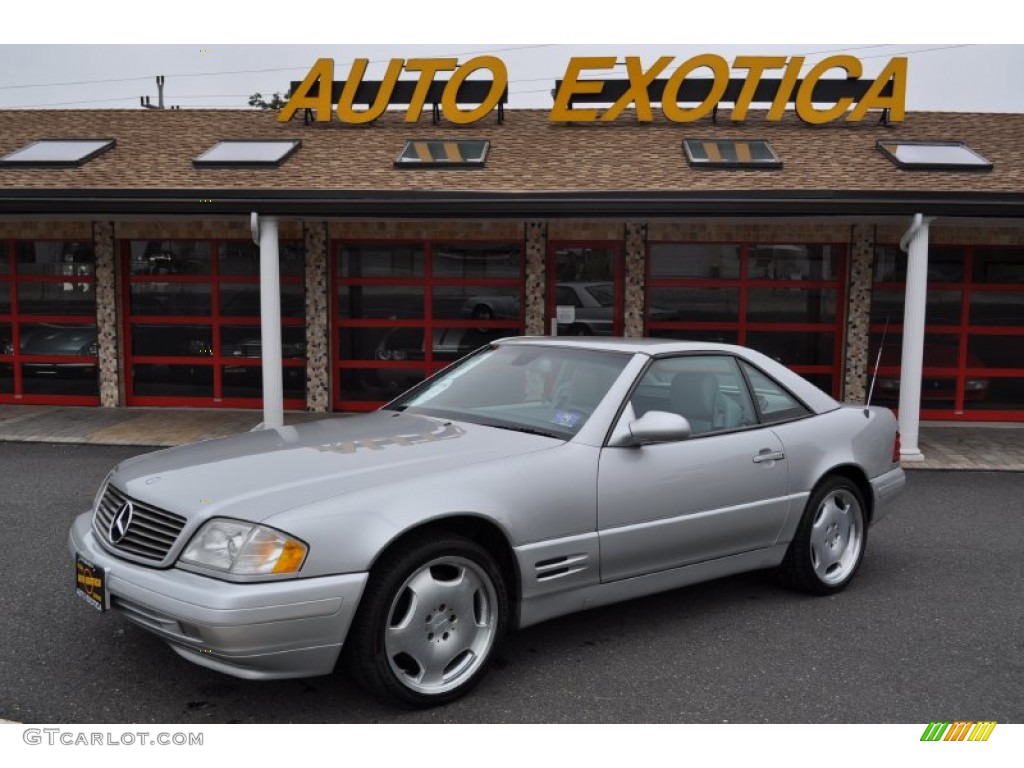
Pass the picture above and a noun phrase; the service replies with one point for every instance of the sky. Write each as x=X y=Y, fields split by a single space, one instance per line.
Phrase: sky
x=65 y=56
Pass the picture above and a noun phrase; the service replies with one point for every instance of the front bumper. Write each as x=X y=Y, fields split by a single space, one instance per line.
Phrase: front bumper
x=259 y=631
x=885 y=488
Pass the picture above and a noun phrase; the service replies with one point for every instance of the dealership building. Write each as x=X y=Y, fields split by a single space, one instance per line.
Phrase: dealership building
x=147 y=255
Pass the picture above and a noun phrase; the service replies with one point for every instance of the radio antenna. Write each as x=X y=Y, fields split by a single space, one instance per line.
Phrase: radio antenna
x=878 y=361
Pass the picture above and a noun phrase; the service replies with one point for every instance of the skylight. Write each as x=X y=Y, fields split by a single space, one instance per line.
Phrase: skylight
x=247 y=152
x=58 y=152
x=443 y=152
x=934 y=155
x=730 y=153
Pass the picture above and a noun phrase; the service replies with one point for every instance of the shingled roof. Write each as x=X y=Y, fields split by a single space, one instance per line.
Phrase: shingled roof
x=534 y=167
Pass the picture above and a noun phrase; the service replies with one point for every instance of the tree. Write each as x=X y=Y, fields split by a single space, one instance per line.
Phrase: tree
x=274 y=102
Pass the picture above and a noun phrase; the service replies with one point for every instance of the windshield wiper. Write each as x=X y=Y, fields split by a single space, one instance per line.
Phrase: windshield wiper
x=527 y=430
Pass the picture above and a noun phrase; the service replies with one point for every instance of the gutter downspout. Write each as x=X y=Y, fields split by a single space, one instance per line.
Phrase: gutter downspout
x=915 y=243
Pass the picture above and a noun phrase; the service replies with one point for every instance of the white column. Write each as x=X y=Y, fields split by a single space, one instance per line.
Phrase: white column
x=915 y=243
x=270 y=324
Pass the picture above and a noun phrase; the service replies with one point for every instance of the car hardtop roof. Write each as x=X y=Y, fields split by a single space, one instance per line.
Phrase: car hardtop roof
x=814 y=398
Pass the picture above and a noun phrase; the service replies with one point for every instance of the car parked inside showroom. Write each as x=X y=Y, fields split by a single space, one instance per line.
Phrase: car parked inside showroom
x=533 y=478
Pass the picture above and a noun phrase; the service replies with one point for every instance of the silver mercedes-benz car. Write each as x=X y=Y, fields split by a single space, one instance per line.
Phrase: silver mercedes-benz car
x=534 y=478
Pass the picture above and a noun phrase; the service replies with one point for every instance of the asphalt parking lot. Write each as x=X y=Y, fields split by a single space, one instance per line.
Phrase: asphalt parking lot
x=930 y=629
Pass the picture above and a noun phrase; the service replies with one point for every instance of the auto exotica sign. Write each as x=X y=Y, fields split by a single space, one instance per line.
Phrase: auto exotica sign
x=683 y=96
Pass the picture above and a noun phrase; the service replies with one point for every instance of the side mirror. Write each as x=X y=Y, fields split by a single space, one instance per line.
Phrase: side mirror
x=657 y=427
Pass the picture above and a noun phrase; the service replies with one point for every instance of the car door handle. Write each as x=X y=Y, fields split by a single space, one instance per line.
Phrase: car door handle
x=767 y=454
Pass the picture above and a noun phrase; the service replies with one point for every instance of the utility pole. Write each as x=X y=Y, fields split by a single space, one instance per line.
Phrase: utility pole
x=144 y=100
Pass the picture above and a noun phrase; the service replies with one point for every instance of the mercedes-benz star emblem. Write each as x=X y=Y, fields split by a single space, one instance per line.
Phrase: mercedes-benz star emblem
x=119 y=525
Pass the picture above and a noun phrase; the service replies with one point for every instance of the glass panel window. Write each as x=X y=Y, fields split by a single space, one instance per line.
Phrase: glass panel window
x=369 y=385
x=774 y=402
x=170 y=257
x=243 y=300
x=997 y=308
x=695 y=304
x=380 y=261
x=800 y=348
x=170 y=299
x=941 y=307
x=380 y=302
x=6 y=379
x=1001 y=266
x=242 y=257
x=713 y=335
x=172 y=340
x=791 y=305
x=477 y=302
x=452 y=343
x=706 y=390
x=468 y=261
x=998 y=394
x=48 y=339
x=381 y=343
x=160 y=380
x=67 y=259
x=945 y=264
x=678 y=260
x=792 y=262
x=5 y=298
x=56 y=298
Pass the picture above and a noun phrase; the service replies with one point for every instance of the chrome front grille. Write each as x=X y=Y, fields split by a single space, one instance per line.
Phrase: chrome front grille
x=150 y=535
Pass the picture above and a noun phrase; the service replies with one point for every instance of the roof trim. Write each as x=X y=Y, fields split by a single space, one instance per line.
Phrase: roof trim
x=404 y=204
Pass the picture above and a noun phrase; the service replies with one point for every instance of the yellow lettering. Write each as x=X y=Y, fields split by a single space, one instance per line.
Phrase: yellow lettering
x=450 y=107
x=638 y=82
x=804 y=97
x=346 y=112
x=670 y=104
x=895 y=70
x=427 y=69
x=571 y=85
x=757 y=65
x=786 y=88
x=322 y=71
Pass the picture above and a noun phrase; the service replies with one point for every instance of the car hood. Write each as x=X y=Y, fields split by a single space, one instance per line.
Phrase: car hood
x=258 y=474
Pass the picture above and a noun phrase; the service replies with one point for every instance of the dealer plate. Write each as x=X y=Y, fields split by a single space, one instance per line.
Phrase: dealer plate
x=90 y=583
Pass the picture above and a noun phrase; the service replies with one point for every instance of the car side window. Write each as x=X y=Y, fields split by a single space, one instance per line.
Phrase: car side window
x=708 y=390
x=774 y=403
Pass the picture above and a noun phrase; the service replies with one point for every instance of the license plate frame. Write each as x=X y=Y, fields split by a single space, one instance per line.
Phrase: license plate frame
x=91 y=583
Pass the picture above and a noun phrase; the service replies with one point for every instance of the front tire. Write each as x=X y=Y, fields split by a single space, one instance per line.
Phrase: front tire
x=829 y=543
x=432 y=614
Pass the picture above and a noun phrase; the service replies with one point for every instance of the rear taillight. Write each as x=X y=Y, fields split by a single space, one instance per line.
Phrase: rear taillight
x=896 y=448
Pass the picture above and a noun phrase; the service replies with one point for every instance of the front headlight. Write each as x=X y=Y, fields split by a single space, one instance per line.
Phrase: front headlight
x=244 y=549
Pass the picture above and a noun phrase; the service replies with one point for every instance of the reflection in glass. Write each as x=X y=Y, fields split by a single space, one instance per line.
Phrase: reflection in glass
x=48 y=257
x=52 y=298
x=477 y=260
x=242 y=257
x=243 y=300
x=159 y=380
x=677 y=260
x=792 y=262
x=380 y=261
x=381 y=343
x=170 y=257
x=995 y=351
x=1001 y=266
x=170 y=299
x=377 y=384
x=247 y=381
x=697 y=304
x=941 y=307
x=172 y=340
x=791 y=305
x=382 y=302
x=997 y=308
x=1000 y=395
x=6 y=378
x=479 y=302
x=788 y=348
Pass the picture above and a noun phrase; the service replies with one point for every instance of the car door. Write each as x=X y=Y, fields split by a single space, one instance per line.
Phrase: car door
x=722 y=491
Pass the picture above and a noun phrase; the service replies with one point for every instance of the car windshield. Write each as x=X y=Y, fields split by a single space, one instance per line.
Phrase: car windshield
x=538 y=389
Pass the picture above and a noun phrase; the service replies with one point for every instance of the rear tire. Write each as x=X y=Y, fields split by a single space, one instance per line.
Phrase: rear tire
x=829 y=543
x=428 y=624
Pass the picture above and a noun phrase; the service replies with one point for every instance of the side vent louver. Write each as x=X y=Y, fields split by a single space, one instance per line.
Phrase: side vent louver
x=555 y=567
